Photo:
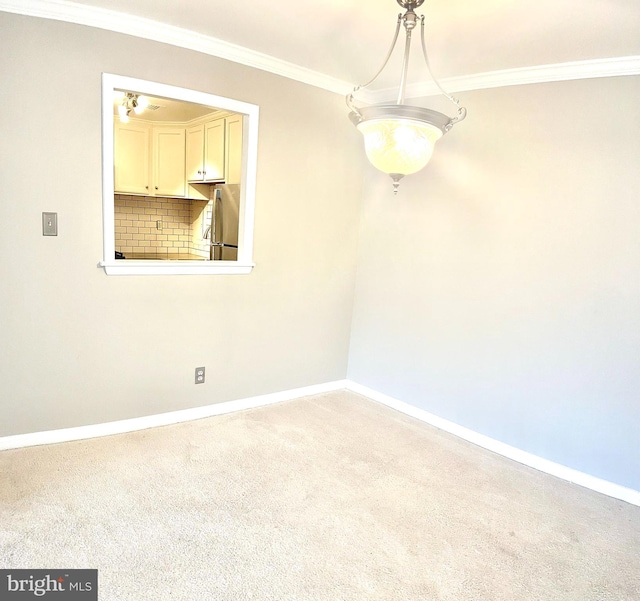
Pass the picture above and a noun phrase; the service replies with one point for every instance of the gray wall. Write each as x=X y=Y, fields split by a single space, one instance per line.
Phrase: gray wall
x=501 y=288
x=80 y=347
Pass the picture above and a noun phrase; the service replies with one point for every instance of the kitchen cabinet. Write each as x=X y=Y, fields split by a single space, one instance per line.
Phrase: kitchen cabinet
x=214 y=151
x=206 y=152
x=131 y=158
x=169 y=161
x=195 y=153
x=233 y=134
x=149 y=160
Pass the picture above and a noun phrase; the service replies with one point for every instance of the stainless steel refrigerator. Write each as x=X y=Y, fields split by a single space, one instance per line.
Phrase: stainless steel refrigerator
x=224 y=222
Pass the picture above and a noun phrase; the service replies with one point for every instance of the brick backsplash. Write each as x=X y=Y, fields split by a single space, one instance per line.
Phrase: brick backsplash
x=137 y=231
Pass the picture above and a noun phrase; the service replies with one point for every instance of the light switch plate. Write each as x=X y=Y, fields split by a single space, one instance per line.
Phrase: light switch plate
x=49 y=224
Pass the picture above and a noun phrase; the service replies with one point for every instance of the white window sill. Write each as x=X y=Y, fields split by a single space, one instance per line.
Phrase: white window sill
x=145 y=267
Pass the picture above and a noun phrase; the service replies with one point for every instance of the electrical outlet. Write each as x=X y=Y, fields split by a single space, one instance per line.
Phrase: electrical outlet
x=199 y=375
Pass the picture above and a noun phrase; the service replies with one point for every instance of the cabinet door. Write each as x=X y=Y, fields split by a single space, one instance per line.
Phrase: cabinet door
x=234 y=149
x=214 y=150
x=195 y=153
x=169 y=161
x=131 y=158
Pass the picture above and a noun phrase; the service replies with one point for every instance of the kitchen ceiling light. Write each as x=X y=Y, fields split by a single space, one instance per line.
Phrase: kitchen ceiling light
x=132 y=102
x=399 y=138
x=142 y=103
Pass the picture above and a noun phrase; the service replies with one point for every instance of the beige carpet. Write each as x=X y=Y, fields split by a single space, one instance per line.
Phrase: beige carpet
x=331 y=497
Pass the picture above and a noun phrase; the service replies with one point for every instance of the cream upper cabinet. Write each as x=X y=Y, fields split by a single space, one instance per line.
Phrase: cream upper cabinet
x=214 y=149
x=169 y=161
x=234 y=149
x=131 y=160
x=195 y=153
x=149 y=160
x=206 y=152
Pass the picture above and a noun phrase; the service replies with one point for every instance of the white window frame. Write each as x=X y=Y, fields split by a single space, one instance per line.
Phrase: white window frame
x=250 y=113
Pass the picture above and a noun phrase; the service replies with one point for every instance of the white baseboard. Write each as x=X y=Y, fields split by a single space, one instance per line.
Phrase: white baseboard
x=174 y=417
x=544 y=465
x=162 y=419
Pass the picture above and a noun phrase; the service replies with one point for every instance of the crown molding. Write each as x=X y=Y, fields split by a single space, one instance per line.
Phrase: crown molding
x=589 y=69
x=71 y=12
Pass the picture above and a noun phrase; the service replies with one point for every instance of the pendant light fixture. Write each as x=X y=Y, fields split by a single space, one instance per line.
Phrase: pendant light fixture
x=399 y=138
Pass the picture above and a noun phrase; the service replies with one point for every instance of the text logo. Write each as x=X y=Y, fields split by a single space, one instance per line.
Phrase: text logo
x=60 y=585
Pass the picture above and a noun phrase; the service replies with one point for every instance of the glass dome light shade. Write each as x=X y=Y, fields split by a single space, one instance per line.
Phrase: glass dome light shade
x=399 y=138
x=398 y=145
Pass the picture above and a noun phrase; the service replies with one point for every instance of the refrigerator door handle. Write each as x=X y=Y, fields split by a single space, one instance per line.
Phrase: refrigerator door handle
x=218 y=217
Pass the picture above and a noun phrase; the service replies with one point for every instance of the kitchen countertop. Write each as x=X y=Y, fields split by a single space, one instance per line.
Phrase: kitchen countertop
x=164 y=257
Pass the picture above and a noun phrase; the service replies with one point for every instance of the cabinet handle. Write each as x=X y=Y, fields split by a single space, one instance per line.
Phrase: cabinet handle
x=156 y=187
x=146 y=187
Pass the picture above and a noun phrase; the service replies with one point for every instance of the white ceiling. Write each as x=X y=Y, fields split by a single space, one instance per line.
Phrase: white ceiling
x=348 y=39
